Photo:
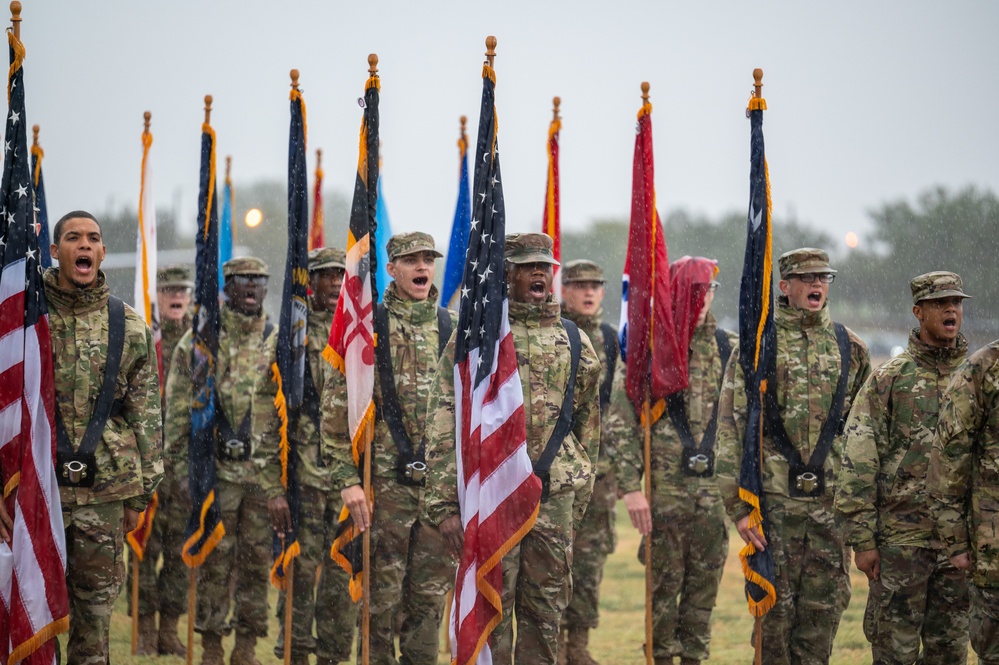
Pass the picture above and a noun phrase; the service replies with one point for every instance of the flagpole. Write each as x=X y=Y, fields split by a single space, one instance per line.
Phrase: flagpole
x=15 y=19
x=758 y=620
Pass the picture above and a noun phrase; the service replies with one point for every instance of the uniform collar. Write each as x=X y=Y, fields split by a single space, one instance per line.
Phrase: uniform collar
x=792 y=318
x=236 y=322
x=936 y=356
x=416 y=312
x=545 y=314
x=583 y=321
x=78 y=300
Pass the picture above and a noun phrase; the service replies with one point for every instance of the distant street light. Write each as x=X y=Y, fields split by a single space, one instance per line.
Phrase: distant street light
x=254 y=217
x=851 y=239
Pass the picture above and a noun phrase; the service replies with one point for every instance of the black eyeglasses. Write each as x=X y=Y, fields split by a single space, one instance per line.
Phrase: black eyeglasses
x=247 y=280
x=810 y=277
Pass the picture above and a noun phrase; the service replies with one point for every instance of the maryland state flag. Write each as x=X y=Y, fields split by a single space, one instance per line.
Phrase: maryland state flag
x=757 y=353
x=552 y=225
x=205 y=528
x=292 y=359
x=454 y=267
x=316 y=238
x=655 y=367
x=41 y=207
x=351 y=346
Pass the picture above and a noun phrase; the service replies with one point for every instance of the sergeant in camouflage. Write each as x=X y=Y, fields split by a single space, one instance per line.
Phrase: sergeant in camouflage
x=166 y=591
x=582 y=298
x=806 y=535
x=128 y=456
x=537 y=582
x=689 y=538
x=915 y=592
x=329 y=606
x=411 y=570
x=964 y=480
x=245 y=392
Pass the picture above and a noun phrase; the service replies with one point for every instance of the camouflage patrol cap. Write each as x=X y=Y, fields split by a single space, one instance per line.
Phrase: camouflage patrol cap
x=938 y=284
x=529 y=248
x=402 y=244
x=168 y=276
x=327 y=257
x=245 y=265
x=804 y=260
x=582 y=270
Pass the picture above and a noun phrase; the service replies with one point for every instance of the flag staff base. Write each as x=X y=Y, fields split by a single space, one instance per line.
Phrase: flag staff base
x=758 y=640
x=647 y=430
x=135 y=603
x=192 y=597
x=289 y=597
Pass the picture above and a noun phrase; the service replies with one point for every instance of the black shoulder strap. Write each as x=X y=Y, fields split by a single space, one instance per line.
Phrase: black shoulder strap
x=610 y=353
x=724 y=346
x=830 y=428
x=677 y=412
x=565 y=420
x=443 y=329
x=105 y=400
x=268 y=328
x=390 y=410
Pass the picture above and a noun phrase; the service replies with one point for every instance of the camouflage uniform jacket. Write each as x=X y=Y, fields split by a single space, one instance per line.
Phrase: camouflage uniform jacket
x=129 y=455
x=312 y=471
x=413 y=344
x=170 y=334
x=881 y=485
x=591 y=326
x=808 y=367
x=964 y=466
x=242 y=381
x=544 y=364
x=699 y=400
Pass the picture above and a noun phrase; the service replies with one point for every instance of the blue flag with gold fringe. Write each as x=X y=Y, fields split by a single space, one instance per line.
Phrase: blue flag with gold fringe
x=204 y=528
x=757 y=352
x=454 y=266
x=292 y=359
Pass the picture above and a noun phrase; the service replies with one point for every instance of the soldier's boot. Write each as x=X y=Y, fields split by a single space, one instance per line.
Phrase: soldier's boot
x=211 y=649
x=576 y=647
x=689 y=661
x=167 y=643
x=668 y=660
x=243 y=653
x=147 y=635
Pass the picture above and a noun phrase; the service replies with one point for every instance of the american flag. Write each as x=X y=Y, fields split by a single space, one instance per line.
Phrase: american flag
x=498 y=492
x=34 y=607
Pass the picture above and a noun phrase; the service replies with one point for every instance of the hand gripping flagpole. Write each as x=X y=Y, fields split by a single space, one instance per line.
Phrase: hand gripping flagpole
x=192 y=584
x=368 y=497
x=647 y=457
x=758 y=619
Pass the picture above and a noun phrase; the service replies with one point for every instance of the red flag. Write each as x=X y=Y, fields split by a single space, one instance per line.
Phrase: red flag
x=690 y=279
x=654 y=364
x=552 y=219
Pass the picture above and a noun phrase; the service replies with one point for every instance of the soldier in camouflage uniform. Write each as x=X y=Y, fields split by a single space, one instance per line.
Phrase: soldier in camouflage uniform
x=329 y=607
x=536 y=572
x=128 y=456
x=806 y=535
x=409 y=562
x=245 y=391
x=166 y=591
x=915 y=592
x=582 y=296
x=689 y=538
x=964 y=480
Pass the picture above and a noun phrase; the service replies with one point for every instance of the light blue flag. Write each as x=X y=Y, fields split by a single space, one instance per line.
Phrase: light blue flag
x=454 y=268
x=382 y=234
x=225 y=229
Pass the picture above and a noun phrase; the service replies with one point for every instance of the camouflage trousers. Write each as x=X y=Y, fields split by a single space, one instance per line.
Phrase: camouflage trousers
x=984 y=623
x=412 y=572
x=813 y=584
x=689 y=548
x=327 y=605
x=919 y=594
x=166 y=590
x=95 y=570
x=595 y=540
x=243 y=557
x=537 y=585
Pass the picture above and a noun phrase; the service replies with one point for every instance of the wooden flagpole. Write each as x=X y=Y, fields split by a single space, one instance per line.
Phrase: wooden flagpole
x=15 y=19
x=758 y=620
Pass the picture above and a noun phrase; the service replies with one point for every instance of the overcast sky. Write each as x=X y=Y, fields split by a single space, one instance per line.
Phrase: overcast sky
x=868 y=101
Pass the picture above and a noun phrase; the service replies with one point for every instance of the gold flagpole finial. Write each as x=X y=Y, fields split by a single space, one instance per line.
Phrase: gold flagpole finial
x=556 y=102
x=645 y=92
x=228 y=166
x=208 y=109
x=146 y=117
x=490 y=50
x=319 y=158
x=373 y=64
x=35 y=132
x=464 y=121
x=15 y=18
x=758 y=83
x=294 y=79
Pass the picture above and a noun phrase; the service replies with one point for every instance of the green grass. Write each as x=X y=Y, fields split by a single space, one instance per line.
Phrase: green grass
x=622 y=624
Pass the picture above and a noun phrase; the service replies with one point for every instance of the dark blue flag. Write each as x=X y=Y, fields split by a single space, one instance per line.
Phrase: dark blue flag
x=757 y=353
x=204 y=528
x=454 y=267
x=41 y=208
x=292 y=359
